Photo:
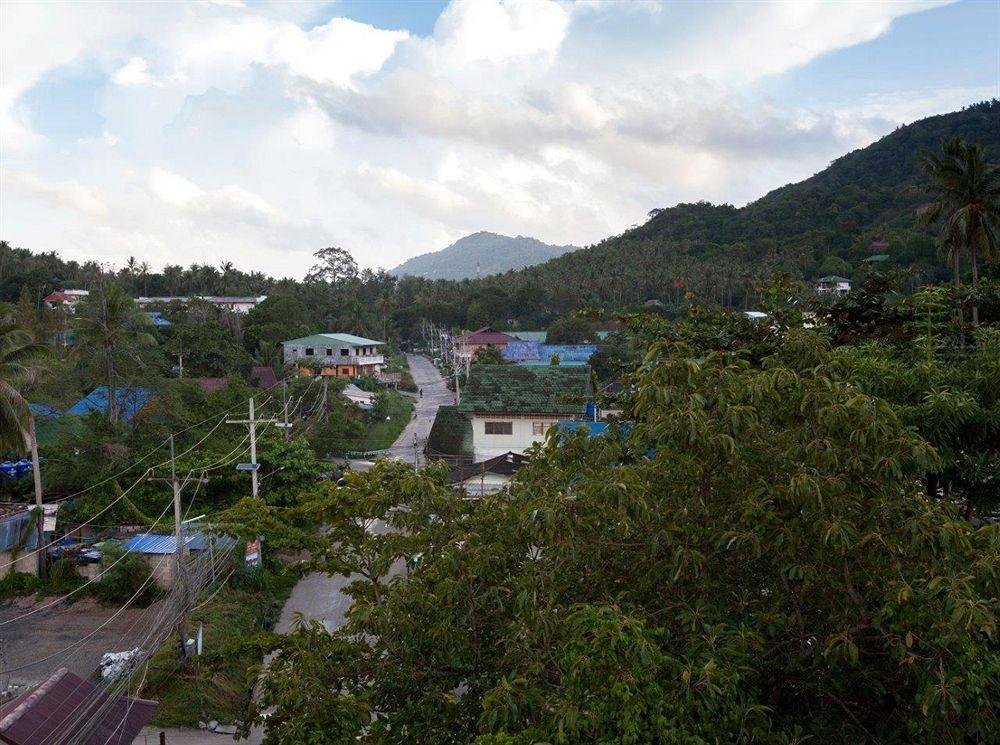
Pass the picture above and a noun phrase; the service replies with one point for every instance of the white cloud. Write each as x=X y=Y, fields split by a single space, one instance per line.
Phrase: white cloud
x=257 y=133
x=133 y=72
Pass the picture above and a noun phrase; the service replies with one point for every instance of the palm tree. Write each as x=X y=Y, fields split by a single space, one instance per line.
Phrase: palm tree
x=965 y=200
x=113 y=328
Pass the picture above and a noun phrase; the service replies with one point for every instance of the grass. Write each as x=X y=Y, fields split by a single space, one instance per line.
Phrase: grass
x=380 y=433
x=197 y=692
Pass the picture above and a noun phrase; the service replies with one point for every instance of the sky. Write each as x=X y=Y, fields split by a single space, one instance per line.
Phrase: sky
x=258 y=132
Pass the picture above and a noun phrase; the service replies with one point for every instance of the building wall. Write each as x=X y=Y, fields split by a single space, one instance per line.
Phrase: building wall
x=524 y=433
x=27 y=563
x=490 y=483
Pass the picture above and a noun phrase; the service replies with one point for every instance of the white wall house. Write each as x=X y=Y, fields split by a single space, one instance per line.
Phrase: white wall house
x=833 y=285
x=340 y=355
x=511 y=408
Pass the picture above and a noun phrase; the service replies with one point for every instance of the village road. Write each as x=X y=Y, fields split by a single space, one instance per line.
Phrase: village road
x=435 y=395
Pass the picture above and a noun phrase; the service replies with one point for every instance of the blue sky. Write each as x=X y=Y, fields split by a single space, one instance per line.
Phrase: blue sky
x=257 y=132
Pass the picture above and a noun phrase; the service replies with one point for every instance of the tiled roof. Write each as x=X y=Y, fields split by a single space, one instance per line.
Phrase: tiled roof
x=547 y=389
x=486 y=335
x=319 y=340
x=59 y=297
x=450 y=435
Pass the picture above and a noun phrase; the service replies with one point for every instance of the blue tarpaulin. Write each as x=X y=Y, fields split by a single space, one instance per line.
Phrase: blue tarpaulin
x=44 y=411
x=158 y=320
x=130 y=401
x=16 y=469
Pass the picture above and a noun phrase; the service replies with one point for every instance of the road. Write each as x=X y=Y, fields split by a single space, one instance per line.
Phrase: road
x=435 y=394
x=319 y=596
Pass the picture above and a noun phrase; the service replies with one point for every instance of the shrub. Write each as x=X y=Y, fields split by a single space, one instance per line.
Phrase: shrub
x=126 y=578
x=18 y=584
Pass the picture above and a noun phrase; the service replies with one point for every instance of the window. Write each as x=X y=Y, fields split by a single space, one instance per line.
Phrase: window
x=329 y=352
x=309 y=351
x=344 y=351
x=539 y=428
x=499 y=428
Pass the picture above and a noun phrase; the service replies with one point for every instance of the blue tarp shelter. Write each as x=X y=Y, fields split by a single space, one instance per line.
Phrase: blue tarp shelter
x=158 y=320
x=129 y=400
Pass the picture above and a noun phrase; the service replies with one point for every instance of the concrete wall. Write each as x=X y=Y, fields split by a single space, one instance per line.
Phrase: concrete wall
x=27 y=563
x=489 y=446
x=490 y=483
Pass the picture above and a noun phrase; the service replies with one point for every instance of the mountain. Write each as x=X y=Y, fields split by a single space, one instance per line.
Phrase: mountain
x=826 y=224
x=479 y=255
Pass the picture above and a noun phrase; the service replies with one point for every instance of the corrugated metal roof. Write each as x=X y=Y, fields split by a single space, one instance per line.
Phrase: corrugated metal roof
x=154 y=544
x=320 y=339
x=130 y=401
x=52 y=711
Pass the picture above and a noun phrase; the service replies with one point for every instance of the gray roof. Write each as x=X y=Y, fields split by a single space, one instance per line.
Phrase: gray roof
x=320 y=339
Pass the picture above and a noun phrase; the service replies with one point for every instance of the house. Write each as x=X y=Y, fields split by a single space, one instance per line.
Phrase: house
x=339 y=355
x=358 y=397
x=833 y=285
x=231 y=303
x=66 y=299
x=153 y=548
x=50 y=712
x=512 y=407
x=130 y=401
x=536 y=353
x=467 y=344
x=450 y=438
x=17 y=540
x=488 y=476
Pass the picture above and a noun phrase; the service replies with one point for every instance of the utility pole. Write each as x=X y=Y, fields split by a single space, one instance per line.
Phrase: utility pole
x=180 y=364
x=36 y=473
x=181 y=549
x=458 y=395
x=284 y=408
x=416 y=463
x=252 y=421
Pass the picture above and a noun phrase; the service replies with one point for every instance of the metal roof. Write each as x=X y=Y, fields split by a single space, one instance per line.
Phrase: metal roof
x=155 y=544
x=319 y=339
x=130 y=401
x=51 y=711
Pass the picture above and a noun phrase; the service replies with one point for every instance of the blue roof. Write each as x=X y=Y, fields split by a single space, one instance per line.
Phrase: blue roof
x=533 y=352
x=44 y=410
x=154 y=544
x=130 y=401
x=158 y=320
x=593 y=429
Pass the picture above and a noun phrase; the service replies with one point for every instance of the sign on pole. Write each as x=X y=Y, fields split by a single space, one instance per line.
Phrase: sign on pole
x=253 y=553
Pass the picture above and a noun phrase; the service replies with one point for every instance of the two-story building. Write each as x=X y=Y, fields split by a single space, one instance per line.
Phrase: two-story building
x=512 y=407
x=337 y=355
x=833 y=285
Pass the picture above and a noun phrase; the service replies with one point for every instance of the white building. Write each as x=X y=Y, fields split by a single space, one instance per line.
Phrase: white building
x=231 y=303
x=833 y=285
x=339 y=355
x=511 y=408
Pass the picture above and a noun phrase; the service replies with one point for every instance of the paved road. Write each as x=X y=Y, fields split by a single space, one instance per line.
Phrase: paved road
x=318 y=596
x=435 y=394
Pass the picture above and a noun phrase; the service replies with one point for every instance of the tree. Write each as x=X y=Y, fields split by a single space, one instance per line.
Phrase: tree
x=19 y=358
x=113 y=330
x=569 y=331
x=335 y=266
x=965 y=199
x=753 y=559
x=487 y=355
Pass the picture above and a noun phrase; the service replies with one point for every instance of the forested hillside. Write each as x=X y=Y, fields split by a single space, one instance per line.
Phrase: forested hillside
x=479 y=255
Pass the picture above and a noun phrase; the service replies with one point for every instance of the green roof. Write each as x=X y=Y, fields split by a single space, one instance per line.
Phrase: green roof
x=450 y=435
x=318 y=340
x=512 y=388
x=530 y=335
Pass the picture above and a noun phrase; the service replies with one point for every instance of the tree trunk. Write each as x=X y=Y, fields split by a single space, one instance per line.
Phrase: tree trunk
x=32 y=442
x=975 y=285
x=109 y=372
x=958 y=299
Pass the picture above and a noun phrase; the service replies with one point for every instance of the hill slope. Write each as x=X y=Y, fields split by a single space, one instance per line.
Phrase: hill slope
x=480 y=254
x=822 y=225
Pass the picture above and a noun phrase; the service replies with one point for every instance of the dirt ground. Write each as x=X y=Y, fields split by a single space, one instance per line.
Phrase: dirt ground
x=73 y=636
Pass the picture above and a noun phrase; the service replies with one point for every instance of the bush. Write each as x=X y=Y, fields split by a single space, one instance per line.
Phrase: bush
x=63 y=578
x=18 y=584
x=125 y=579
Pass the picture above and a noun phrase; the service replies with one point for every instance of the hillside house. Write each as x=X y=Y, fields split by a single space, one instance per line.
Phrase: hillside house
x=338 y=355
x=512 y=407
x=230 y=303
x=467 y=344
x=65 y=299
x=833 y=285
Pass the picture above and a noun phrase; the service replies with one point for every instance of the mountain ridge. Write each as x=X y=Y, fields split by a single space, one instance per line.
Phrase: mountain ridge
x=480 y=254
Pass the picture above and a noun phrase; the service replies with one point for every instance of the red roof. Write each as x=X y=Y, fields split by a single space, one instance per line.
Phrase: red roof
x=486 y=335
x=211 y=384
x=263 y=376
x=64 y=707
x=59 y=297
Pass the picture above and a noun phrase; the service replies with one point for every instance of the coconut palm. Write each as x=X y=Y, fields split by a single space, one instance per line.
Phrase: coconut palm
x=19 y=358
x=965 y=201
x=113 y=329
